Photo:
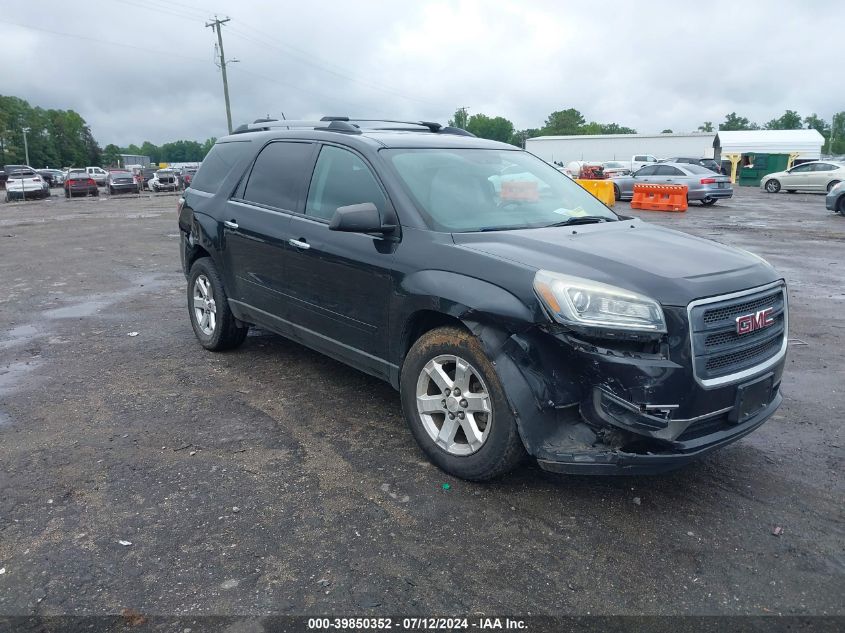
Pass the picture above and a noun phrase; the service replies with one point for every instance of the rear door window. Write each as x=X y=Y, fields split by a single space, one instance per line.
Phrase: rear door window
x=279 y=175
x=340 y=179
x=217 y=165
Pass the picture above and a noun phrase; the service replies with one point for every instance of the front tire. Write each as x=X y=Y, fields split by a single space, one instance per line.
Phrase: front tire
x=455 y=406
x=772 y=186
x=208 y=306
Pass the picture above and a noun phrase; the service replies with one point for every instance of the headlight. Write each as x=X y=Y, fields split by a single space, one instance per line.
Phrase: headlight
x=577 y=301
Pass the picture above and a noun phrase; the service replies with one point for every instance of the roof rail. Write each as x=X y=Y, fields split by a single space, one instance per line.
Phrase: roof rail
x=347 y=125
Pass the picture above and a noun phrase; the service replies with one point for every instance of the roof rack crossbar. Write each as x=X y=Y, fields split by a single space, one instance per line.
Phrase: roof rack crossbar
x=334 y=125
x=348 y=125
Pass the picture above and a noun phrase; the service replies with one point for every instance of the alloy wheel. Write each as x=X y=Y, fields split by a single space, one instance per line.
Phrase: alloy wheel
x=205 y=309
x=454 y=405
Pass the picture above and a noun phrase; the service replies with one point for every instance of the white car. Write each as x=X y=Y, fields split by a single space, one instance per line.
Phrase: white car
x=819 y=175
x=98 y=174
x=164 y=180
x=23 y=182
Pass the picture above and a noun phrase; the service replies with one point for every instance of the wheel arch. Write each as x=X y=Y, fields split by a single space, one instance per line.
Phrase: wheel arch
x=432 y=298
x=199 y=238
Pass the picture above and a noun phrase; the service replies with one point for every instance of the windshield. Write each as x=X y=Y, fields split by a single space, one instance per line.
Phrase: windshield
x=463 y=190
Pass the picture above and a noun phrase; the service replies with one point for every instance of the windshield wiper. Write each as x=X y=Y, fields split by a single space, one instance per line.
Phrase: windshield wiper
x=581 y=219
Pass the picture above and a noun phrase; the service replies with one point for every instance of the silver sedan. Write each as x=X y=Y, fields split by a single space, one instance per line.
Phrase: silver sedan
x=702 y=184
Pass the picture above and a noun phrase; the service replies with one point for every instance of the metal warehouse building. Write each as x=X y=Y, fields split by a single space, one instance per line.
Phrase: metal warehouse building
x=803 y=144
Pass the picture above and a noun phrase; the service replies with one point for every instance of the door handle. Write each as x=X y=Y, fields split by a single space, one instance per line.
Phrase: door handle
x=300 y=244
x=230 y=224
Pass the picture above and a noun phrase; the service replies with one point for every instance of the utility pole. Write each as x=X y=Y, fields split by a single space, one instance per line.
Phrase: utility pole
x=25 y=146
x=464 y=117
x=215 y=25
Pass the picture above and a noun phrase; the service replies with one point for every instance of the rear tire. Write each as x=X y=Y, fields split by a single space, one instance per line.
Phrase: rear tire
x=772 y=186
x=208 y=307
x=709 y=202
x=492 y=445
x=617 y=195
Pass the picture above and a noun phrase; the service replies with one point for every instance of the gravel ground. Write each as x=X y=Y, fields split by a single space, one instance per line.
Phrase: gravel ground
x=138 y=471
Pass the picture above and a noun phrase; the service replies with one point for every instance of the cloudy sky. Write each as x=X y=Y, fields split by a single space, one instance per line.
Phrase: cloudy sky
x=143 y=69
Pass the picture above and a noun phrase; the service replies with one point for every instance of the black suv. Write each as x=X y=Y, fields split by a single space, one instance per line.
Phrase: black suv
x=513 y=311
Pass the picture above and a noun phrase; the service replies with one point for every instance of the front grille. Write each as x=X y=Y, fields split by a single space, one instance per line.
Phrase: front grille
x=744 y=356
x=714 y=315
x=718 y=350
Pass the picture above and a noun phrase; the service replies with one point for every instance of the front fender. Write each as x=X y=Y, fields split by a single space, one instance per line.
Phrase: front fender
x=462 y=296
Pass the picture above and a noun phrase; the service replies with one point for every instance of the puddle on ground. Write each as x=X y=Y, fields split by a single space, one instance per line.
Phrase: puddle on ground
x=19 y=335
x=92 y=304
x=13 y=374
x=84 y=309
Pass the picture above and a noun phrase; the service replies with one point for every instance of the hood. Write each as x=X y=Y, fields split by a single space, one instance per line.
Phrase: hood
x=670 y=266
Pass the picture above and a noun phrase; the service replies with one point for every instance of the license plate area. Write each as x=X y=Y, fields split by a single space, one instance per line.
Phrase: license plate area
x=751 y=398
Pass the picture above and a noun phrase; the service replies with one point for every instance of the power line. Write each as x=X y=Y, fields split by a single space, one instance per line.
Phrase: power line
x=262 y=38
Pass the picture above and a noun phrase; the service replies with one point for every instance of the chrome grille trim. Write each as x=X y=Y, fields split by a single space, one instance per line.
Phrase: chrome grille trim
x=708 y=383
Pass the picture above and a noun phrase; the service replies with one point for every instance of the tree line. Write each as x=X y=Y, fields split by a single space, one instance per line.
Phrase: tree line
x=174 y=152
x=62 y=138
x=572 y=122
x=54 y=138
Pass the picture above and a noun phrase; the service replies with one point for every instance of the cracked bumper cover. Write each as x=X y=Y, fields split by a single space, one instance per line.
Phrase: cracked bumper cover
x=658 y=457
x=581 y=409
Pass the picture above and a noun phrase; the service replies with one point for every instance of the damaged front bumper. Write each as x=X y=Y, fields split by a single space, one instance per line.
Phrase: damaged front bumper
x=612 y=452
x=584 y=409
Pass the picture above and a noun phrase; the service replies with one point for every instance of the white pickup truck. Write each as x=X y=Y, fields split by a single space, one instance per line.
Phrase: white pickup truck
x=641 y=160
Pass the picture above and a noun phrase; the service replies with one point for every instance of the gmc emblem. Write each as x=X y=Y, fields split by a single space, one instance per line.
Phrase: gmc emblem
x=748 y=323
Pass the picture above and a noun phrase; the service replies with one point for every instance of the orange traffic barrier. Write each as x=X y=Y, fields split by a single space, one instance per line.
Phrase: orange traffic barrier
x=660 y=197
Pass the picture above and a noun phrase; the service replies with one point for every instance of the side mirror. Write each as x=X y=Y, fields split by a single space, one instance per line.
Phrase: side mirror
x=358 y=218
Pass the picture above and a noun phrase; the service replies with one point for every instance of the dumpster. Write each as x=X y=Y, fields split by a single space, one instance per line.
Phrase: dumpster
x=759 y=165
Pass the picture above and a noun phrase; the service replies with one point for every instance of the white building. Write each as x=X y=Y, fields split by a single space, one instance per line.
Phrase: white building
x=603 y=147
x=622 y=147
x=806 y=143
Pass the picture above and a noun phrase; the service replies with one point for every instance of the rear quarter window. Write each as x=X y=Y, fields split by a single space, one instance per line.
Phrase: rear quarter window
x=216 y=166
